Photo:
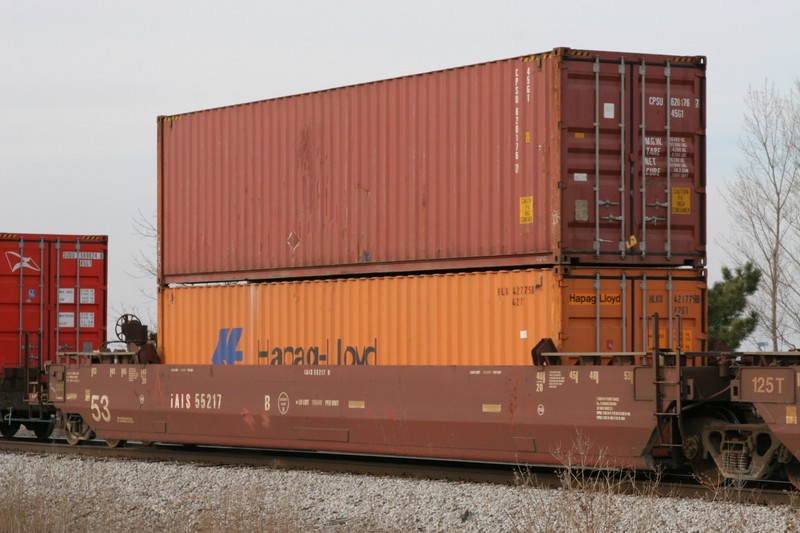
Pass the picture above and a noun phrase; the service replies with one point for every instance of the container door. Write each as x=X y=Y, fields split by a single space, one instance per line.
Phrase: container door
x=609 y=310
x=78 y=295
x=679 y=298
x=668 y=159
x=595 y=137
x=22 y=305
x=633 y=180
x=595 y=312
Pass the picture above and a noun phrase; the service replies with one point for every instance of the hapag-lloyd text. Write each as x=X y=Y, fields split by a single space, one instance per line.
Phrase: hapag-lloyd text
x=227 y=352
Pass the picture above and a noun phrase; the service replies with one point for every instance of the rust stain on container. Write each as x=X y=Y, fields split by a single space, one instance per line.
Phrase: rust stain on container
x=566 y=157
x=483 y=318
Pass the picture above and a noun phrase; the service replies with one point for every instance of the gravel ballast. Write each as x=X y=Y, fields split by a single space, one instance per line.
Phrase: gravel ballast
x=57 y=493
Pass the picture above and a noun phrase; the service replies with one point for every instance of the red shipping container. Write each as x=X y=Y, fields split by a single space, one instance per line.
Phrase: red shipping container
x=53 y=285
x=566 y=157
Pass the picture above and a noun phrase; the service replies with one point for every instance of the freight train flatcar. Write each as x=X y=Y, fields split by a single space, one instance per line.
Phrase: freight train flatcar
x=52 y=298
x=555 y=203
x=725 y=416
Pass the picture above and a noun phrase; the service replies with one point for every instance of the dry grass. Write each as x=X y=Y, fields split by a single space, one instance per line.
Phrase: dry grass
x=33 y=500
x=596 y=498
x=592 y=498
x=38 y=503
x=27 y=505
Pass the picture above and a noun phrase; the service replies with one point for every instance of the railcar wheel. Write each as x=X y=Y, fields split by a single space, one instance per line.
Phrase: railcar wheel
x=115 y=443
x=792 y=471
x=74 y=430
x=9 y=429
x=43 y=430
x=703 y=465
x=707 y=473
x=73 y=439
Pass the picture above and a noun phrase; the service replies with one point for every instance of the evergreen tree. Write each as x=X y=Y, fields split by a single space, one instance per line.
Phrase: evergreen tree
x=728 y=319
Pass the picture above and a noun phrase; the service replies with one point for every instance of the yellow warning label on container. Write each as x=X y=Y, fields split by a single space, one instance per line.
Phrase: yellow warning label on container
x=526 y=209
x=492 y=408
x=590 y=298
x=579 y=135
x=527 y=137
x=681 y=201
x=687 y=340
x=791 y=414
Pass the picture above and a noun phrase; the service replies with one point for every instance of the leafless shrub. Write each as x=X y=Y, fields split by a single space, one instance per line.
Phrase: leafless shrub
x=593 y=497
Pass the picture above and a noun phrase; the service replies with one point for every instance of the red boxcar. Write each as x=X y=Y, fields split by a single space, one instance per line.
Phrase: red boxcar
x=53 y=286
x=565 y=157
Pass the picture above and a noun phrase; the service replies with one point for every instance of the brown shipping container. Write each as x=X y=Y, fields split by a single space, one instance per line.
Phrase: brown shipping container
x=566 y=157
x=482 y=318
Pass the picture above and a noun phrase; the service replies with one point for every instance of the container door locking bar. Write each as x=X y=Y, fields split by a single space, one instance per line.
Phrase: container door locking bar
x=607 y=203
x=656 y=217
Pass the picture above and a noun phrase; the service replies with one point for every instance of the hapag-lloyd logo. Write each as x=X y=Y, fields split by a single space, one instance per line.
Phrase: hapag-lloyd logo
x=226 y=352
x=590 y=298
x=18 y=262
x=338 y=352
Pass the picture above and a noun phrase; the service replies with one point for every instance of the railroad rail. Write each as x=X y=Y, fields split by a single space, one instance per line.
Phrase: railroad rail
x=669 y=484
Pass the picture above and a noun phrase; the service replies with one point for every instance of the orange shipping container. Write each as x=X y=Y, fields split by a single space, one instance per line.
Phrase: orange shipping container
x=481 y=318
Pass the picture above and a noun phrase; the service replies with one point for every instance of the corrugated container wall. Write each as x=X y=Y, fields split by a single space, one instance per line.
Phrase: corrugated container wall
x=53 y=285
x=480 y=318
x=565 y=157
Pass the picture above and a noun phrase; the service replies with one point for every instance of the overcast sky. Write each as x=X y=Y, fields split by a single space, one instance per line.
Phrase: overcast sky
x=81 y=83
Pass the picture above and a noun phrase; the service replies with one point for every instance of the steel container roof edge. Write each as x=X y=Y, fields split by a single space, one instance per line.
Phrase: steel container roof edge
x=565 y=52
x=52 y=237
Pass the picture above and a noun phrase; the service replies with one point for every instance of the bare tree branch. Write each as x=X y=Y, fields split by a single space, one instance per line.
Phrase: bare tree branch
x=764 y=201
x=145 y=261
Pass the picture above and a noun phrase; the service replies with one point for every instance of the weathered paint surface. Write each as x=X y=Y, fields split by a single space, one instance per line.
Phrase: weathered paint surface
x=566 y=157
x=479 y=318
x=500 y=414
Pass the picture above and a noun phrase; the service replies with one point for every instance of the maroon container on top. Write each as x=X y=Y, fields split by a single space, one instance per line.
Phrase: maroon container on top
x=53 y=286
x=565 y=157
